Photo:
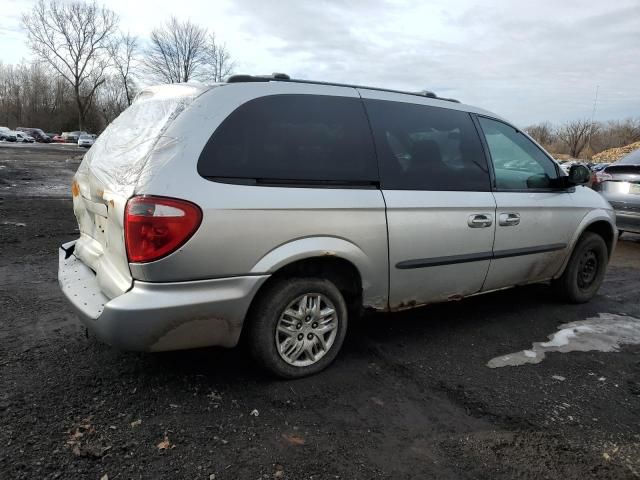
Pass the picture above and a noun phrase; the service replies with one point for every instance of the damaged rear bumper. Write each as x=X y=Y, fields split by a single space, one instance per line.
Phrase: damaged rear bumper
x=159 y=316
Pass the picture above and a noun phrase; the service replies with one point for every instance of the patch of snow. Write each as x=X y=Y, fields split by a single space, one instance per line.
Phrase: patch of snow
x=564 y=336
x=604 y=333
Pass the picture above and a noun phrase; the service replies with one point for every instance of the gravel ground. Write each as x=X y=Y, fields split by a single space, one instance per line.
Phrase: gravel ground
x=410 y=396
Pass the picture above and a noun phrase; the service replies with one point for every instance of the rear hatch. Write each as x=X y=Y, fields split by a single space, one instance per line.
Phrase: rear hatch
x=622 y=179
x=108 y=175
x=621 y=186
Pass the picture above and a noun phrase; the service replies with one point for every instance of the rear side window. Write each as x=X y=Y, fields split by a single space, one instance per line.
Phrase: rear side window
x=427 y=148
x=293 y=138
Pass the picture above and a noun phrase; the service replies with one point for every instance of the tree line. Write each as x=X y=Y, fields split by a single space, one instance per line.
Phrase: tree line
x=85 y=70
x=584 y=138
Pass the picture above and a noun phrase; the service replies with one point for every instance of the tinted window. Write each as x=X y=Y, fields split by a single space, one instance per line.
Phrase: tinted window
x=518 y=163
x=427 y=148
x=293 y=137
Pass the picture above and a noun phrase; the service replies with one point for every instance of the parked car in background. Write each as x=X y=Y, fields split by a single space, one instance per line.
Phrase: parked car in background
x=23 y=137
x=596 y=167
x=72 y=137
x=36 y=133
x=282 y=208
x=7 y=135
x=619 y=183
x=85 y=140
x=58 y=139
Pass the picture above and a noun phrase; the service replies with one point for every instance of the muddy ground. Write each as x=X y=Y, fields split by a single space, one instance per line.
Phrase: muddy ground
x=410 y=396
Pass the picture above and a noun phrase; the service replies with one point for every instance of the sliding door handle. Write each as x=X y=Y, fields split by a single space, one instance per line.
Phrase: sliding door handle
x=509 y=219
x=480 y=220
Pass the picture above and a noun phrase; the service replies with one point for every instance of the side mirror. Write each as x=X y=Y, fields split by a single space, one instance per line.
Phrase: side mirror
x=579 y=174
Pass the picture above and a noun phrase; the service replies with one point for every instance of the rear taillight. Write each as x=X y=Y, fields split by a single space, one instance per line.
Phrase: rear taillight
x=154 y=227
x=602 y=177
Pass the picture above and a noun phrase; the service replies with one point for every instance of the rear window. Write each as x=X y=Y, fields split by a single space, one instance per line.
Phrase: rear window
x=632 y=158
x=293 y=138
x=120 y=153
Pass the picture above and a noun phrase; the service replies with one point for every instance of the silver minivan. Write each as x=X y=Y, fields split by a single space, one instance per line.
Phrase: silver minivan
x=275 y=210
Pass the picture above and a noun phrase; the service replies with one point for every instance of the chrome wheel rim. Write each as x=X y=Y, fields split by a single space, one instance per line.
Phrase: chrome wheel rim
x=306 y=329
x=588 y=269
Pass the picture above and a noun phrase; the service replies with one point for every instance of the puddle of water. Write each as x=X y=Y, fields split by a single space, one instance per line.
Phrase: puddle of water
x=604 y=333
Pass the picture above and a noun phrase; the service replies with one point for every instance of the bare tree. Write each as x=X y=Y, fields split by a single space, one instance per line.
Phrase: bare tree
x=541 y=133
x=178 y=52
x=72 y=38
x=111 y=99
x=219 y=60
x=628 y=131
x=575 y=135
x=123 y=50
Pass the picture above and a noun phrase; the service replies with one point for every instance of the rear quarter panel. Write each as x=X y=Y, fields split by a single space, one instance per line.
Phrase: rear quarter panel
x=256 y=230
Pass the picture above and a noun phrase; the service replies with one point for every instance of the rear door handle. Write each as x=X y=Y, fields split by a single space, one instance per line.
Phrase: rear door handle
x=480 y=220
x=509 y=219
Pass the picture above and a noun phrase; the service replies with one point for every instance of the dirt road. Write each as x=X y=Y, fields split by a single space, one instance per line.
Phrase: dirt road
x=410 y=396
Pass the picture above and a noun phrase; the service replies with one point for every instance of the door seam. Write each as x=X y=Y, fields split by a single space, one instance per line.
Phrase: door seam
x=493 y=243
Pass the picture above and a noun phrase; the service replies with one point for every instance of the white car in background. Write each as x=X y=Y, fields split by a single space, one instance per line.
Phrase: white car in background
x=85 y=140
x=23 y=137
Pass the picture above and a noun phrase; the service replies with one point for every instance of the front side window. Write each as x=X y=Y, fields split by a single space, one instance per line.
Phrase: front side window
x=293 y=138
x=518 y=163
x=421 y=147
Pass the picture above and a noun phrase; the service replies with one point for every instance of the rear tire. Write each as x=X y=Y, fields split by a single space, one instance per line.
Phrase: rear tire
x=297 y=326
x=586 y=269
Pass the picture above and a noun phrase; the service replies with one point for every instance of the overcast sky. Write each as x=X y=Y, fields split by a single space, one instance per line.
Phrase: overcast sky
x=528 y=61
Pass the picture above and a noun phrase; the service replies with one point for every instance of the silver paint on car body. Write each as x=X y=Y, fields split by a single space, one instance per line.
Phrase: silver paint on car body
x=242 y=217
x=430 y=225
x=159 y=316
x=199 y=294
x=545 y=218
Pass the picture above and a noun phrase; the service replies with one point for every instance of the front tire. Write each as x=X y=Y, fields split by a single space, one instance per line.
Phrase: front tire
x=297 y=326
x=586 y=269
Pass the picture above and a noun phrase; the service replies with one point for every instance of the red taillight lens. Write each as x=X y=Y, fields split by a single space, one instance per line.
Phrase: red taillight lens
x=154 y=227
x=602 y=177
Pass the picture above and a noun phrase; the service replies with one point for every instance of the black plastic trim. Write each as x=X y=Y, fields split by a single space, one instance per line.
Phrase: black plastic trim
x=485 y=149
x=271 y=182
x=516 y=252
x=477 y=257
x=68 y=251
x=281 y=77
x=450 y=260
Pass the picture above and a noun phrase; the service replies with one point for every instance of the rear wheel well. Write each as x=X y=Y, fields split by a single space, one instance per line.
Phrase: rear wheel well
x=342 y=273
x=605 y=230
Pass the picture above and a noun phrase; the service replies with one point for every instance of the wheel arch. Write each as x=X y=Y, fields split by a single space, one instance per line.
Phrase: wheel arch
x=599 y=222
x=331 y=257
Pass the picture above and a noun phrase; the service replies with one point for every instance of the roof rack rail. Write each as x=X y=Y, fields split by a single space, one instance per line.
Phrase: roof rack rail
x=283 y=77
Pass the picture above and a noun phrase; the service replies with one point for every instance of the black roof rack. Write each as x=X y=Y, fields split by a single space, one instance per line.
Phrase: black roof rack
x=283 y=77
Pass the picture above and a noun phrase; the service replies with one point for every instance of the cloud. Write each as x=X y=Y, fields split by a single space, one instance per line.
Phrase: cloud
x=527 y=61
